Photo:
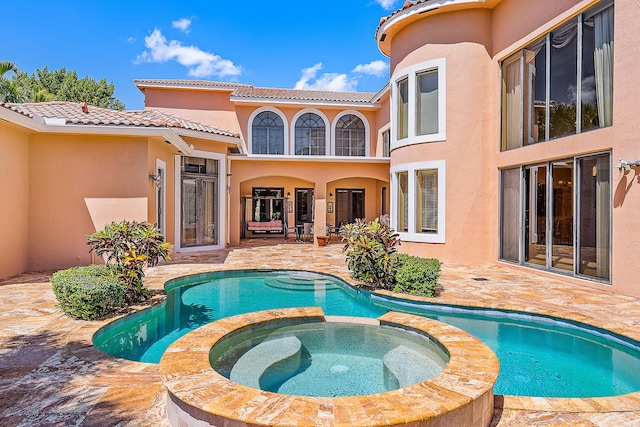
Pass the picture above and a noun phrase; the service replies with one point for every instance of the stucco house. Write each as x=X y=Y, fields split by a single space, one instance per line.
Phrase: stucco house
x=506 y=134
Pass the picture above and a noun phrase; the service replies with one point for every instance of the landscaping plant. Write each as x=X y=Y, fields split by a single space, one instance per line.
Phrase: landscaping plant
x=88 y=292
x=128 y=247
x=417 y=276
x=371 y=252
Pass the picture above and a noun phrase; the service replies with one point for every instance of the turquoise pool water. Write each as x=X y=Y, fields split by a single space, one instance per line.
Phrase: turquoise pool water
x=539 y=356
x=336 y=359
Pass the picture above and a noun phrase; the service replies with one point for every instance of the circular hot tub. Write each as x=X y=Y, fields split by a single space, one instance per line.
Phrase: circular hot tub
x=406 y=370
x=328 y=358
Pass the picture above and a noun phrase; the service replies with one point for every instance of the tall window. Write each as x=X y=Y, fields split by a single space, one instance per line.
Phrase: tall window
x=419 y=103
x=386 y=143
x=418 y=201
x=350 y=136
x=310 y=136
x=402 y=109
x=561 y=84
x=403 y=202
x=427 y=103
x=267 y=134
x=427 y=201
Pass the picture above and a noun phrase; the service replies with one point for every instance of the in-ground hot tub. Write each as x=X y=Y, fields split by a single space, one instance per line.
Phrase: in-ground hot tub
x=328 y=358
x=459 y=394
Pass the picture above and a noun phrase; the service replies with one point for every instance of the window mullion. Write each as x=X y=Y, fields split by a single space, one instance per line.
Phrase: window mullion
x=579 y=77
x=547 y=78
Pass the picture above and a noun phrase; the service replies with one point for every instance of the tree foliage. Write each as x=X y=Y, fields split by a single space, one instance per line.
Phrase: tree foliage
x=56 y=85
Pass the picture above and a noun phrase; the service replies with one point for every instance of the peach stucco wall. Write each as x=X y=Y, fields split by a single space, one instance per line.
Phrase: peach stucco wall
x=14 y=200
x=471 y=179
x=208 y=107
x=66 y=169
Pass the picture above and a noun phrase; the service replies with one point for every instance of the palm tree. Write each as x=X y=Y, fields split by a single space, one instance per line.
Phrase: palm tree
x=9 y=90
x=6 y=66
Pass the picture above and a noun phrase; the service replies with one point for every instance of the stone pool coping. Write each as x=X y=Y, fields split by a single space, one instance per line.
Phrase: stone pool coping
x=462 y=394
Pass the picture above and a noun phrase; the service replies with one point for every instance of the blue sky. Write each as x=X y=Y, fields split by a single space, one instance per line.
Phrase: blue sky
x=324 y=44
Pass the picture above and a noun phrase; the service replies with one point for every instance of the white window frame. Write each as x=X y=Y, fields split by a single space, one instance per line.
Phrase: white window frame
x=327 y=132
x=411 y=73
x=412 y=169
x=285 y=123
x=223 y=195
x=367 y=132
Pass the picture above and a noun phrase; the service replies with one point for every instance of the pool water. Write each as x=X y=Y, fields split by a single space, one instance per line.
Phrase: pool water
x=336 y=359
x=539 y=356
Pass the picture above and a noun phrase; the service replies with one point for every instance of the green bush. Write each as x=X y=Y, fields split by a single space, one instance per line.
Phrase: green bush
x=417 y=276
x=88 y=292
x=371 y=252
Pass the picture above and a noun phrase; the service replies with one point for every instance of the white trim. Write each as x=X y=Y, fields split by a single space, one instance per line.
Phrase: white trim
x=367 y=132
x=239 y=100
x=222 y=201
x=313 y=159
x=161 y=165
x=410 y=73
x=252 y=117
x=412 y=168
x=327 y=132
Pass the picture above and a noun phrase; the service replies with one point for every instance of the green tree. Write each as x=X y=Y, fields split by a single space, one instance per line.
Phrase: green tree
x=10 y=89
x=56 y=85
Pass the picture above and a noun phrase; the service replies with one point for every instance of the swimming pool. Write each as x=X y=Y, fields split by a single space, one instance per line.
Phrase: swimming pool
x=539 y=356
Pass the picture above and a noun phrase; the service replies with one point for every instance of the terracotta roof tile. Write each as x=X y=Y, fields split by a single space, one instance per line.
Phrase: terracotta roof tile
x=72 y=113
x=248 y=91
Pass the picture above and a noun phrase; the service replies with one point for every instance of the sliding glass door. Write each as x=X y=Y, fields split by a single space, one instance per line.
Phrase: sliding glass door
x=564 y=207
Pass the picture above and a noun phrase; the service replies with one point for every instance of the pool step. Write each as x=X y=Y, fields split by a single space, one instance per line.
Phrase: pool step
x=250 y=367
x=408 y=366
x=300 y=282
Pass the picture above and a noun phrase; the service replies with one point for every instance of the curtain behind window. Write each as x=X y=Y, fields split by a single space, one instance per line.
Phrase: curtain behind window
x=603 y=58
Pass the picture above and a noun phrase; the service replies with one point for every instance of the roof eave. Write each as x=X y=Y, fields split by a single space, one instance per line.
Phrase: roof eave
x=241 y=100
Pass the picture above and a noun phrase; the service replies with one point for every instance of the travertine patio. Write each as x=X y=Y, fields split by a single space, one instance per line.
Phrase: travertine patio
x=51 y=375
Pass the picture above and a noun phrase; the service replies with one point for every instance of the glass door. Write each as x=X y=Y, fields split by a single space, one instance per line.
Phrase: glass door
x=349 y=205
x=535 y=215
x=304 y=205
x=199 y=202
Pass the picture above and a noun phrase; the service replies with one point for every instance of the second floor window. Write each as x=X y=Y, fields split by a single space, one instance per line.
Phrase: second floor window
x=310 y=135
x=350 y=136
x=267 y=134
x=561 y=84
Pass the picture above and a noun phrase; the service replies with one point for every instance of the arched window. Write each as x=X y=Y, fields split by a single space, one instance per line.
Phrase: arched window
x=310 y=135
x=350 y=136
x=267 y=134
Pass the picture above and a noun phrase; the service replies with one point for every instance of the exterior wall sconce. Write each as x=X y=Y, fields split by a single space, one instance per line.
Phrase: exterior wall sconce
x=331 y=197
x=157 y=180
x=626 y=165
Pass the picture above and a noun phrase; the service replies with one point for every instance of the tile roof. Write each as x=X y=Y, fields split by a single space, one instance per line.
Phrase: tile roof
x=73 y=114
x=407 y=5
x=252 y=92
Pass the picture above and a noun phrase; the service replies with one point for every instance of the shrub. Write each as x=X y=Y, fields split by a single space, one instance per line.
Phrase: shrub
x=371 y=252
x=88 y=292
x=417 y=276
x=129 y=247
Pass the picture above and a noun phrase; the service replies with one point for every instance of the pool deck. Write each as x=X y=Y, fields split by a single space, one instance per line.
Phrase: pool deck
x=51 y=375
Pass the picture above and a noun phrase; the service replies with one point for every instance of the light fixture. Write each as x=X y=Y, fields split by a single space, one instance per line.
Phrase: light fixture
x=331 y=197
x=626 y=165
x=157 y=179
x=288 y=194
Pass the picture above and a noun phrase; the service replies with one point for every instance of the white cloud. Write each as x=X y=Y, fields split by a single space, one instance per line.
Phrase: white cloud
x=131 y=40
x=386 y=4
x=182 y=25
x=376 y=68
x=328 y=81
x=199 y=62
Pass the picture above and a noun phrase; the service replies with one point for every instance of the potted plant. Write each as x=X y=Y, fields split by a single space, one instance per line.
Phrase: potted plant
x=322 y=240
